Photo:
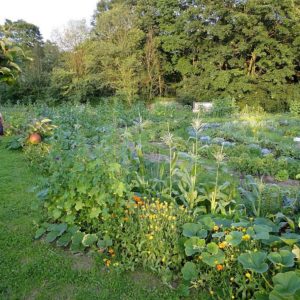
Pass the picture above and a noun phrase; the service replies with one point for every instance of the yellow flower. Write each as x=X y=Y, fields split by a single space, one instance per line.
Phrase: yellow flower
x=246 y=237
x=248 y=275
x=216 y=228
x=223 y=245
x=107 y=262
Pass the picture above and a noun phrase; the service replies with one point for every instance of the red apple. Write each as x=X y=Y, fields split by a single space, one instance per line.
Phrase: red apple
x=35 y=138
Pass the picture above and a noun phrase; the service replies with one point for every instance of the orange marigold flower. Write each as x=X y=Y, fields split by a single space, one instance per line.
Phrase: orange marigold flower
x=219 y=267
x=137 y=199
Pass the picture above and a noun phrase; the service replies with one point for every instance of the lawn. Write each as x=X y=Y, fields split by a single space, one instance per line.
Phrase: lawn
x=35 y=270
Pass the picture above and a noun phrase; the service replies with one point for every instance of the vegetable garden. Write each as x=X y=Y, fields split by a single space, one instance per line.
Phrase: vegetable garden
x=209 y=202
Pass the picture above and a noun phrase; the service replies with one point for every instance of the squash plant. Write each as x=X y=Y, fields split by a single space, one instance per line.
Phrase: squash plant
x=243 y=258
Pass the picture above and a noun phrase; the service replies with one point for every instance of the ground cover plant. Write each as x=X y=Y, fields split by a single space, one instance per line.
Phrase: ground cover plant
x=172 y=192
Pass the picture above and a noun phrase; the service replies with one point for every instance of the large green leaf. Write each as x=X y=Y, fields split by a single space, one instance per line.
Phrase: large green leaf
x=194 y=245
x=286 y=286
x=52 y=236
x=234 y=238
x=213 y=259
x=95 y=212
x=39 y=233
x=290 y=238
x=208 y=222
x=77 y=245
x=89 y=239
x=255 y=261
x=192 y=229
x=267 y=222
x=106 y=242
x=212 y=248
x=262 y=232
x=283 y=258
x=189 y=271
x=64 y=240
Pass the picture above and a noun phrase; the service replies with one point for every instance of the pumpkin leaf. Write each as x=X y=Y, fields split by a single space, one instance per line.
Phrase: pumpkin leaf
x=262 y=232
x=213 y=259
x=212 y=248
x=89 y=239
x=234 y=238
x=284 y=258
x=192 y=229
x=290 y=238
x=194 y=245
x=254 y=261
x=286 y=286
x=189 y=271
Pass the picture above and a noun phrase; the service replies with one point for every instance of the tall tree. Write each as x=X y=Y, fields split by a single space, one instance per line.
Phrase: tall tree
x=116 y=50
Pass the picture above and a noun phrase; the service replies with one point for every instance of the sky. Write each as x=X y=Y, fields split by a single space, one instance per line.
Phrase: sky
x=47 y=14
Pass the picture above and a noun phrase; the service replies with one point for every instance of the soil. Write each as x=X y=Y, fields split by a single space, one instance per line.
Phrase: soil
x=290 y=182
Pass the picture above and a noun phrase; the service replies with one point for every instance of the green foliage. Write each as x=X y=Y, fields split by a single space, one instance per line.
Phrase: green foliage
x=248 y=51
x=9 y=55
x=254 y=261
x=295 y=107
x=101 y=175
x=189 y=271
x=223 y=107
x=286 y=286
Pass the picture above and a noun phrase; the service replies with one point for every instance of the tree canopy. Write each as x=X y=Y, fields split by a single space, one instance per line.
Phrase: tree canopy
x=189 y=49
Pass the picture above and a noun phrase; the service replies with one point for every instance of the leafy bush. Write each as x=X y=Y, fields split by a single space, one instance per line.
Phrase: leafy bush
x=295 y=107
x=224 y=107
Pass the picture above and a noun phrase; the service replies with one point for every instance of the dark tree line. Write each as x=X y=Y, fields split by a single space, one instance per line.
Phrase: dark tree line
x=189 y=49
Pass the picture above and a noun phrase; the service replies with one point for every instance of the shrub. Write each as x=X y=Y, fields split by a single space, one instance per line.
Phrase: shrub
x=224 y=107
x=295 y=107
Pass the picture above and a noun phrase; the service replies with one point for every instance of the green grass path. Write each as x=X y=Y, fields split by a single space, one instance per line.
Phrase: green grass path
x=35 y=270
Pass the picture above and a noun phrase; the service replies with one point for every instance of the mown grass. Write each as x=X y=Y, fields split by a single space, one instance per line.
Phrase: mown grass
x=35 y=270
